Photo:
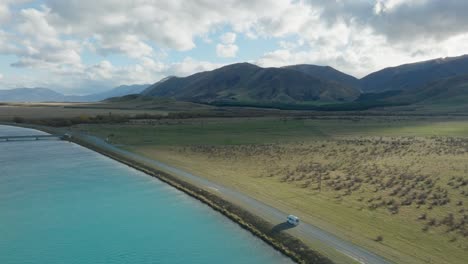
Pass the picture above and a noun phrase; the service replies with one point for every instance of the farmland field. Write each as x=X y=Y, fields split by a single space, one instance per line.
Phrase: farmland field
x=396 y=185
x=63 y=110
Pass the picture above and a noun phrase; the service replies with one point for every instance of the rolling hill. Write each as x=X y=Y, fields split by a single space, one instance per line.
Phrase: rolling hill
x=244 y=82
x=414 y=75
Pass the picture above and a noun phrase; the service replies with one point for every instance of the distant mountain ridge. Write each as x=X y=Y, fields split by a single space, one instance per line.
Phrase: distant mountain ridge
x=30 y=95
x=36 y=95
x=245 y=82
x=116 y=92
x=441 y=81
x=443 y=91
x=414 y=75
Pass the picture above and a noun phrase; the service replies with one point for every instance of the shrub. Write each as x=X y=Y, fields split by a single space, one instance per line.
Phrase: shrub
x=422 y=217
x=432 y=222
x=18 y=119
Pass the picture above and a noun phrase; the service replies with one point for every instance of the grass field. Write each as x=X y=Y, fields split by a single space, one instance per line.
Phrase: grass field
x=398 y=186
x=63 y=110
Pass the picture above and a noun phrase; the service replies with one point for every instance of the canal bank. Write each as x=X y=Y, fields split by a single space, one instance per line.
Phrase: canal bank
x=281 y=241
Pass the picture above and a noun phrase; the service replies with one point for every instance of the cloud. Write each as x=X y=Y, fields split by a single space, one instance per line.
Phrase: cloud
x=4 y=12
x=357 y=36
x=6 y=47
x=37 y=44
x=166 y=24
x=177 y=23
x=363 y=36
x=105 y=75
x=102 y=70
x=421 y=19
x=399 y=20
x=129 y=45
x=190 y=66
x=228 y=38
x=227 y=48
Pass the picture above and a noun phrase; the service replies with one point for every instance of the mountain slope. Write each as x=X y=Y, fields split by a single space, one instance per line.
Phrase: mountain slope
x=244 y=82
x=414 y=75
x=30 y=95
x=326 y=73
x=453 y=90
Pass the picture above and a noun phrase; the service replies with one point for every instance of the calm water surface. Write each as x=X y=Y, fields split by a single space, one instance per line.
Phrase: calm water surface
x=62 y=203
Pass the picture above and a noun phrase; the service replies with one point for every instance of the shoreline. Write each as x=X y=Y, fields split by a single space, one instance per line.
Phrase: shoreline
x=287 y=244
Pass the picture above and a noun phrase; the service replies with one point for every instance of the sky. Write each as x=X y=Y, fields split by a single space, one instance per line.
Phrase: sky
x=86 y=46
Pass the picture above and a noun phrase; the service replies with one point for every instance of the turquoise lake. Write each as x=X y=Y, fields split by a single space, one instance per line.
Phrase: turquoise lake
x=62 y=203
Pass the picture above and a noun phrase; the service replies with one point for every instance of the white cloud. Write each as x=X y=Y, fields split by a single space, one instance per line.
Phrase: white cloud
x=37 y=44
x=190 y=66
x=355 y=36
x=364 y=52
x=228 y=38
x=129 y=45
x=359 y=38
x=105 y=75
x=386 y=6
x=227 y=48
x=291 y=44
x=6 y=47
x=177 y=23
x=4 y=13
x=102 y=70
x=167 y=24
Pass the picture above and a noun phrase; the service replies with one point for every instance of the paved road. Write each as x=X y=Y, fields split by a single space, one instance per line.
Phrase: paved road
x=307 y=231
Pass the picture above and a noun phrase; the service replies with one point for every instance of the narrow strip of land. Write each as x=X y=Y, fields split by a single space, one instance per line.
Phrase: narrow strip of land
x=304 y=230
x=29 y=137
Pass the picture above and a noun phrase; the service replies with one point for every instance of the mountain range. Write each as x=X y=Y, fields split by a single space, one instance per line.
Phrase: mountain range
x=415 y=75
x=30 y=95
x=452 y=90
x=244 y=82
x=438 y=81
x=47 y=95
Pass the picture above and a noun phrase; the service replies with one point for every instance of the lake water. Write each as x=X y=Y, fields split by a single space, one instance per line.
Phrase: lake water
x=62 y=203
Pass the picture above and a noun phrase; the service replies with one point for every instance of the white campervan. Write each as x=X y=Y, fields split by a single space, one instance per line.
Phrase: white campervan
x=293 y=220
